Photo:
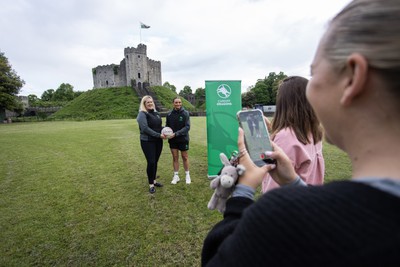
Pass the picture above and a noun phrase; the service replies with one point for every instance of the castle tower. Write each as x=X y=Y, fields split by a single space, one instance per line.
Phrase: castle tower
x=136 y=68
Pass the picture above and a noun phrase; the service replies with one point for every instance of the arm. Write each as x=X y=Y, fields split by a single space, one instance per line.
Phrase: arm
x=223 y=233
x=293 y=148
x=268 y=123
x=144 y=127
x=186 y=128
x=224 y=229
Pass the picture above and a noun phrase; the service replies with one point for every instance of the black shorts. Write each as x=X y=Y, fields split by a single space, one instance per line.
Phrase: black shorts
x=182 y=146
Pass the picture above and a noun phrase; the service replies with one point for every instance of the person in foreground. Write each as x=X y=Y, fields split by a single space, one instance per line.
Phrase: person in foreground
x=355 y=92
x=151 y=138
x=296 y=129
x=179 y=121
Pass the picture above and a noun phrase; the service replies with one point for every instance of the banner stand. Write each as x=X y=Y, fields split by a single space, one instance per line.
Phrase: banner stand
x=223 y=101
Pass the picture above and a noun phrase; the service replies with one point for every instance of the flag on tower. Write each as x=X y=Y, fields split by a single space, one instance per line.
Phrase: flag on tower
x=144 y=26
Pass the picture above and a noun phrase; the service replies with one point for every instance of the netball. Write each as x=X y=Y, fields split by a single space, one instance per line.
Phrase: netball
x=167 y=131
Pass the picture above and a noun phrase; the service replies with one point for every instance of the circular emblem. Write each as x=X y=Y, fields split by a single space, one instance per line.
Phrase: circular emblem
x=224 y=91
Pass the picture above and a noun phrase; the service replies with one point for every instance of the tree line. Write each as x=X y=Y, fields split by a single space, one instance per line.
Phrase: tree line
x=59 y=97
x=263 y=92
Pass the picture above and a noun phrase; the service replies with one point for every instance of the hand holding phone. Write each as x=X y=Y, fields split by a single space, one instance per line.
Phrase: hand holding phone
x=256 y=136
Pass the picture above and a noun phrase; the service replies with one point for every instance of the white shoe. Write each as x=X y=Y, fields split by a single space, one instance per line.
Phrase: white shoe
x=188 y=181
x=175 y=179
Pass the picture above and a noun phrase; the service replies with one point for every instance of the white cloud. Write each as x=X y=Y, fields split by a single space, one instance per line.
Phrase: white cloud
x=49 y=43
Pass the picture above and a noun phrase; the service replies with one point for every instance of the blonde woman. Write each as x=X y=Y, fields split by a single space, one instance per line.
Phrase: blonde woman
x=151 y=139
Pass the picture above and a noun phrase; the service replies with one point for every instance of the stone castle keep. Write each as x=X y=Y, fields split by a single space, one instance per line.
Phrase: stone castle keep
x=136 y=70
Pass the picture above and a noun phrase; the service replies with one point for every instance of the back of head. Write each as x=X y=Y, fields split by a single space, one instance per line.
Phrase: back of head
x=372 y=29
x=294 y=111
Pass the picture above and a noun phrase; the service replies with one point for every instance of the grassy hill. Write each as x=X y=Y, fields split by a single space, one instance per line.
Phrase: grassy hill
x=112 y=103
x=101 y=104
x=165 y=96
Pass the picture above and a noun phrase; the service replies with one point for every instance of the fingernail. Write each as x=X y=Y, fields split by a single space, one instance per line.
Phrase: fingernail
x=268 y=153
x=272 y=166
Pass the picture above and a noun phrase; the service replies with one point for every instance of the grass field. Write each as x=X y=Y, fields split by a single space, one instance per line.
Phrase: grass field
x=76 y=194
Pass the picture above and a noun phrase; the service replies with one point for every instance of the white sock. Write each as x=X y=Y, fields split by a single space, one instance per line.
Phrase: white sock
x=176 y=173
x=187 y=173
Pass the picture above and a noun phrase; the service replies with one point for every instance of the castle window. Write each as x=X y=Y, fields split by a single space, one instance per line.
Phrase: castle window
x=127 y=56
x=107 y=83
x=138 y=75
x=138 y=56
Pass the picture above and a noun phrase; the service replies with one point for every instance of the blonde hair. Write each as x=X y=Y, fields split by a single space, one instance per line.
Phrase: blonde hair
x=371 y=28
x=143 y=103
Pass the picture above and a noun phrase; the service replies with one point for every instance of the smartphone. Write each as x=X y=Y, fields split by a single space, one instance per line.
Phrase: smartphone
x=256 y=135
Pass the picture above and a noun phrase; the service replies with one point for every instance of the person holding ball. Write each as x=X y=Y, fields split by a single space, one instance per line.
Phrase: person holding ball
x=151 y=138
x=179 y=121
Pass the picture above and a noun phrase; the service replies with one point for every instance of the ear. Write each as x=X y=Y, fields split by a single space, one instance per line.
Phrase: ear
x=358 y=67
x=224 y=159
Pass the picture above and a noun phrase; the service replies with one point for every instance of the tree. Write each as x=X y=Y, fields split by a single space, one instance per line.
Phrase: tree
x=33 y=100
x=10 y=85
x=266 y=89
x=77 y=93
x=273 y=81
x=186 y=92
x=249 y=99
x=48 y=95
x=200 y=96
x=260 y=90
x=64 y=93
x=170 y=86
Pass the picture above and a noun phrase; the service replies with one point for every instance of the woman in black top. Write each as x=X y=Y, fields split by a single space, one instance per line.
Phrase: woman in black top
x=355 y=93
x=151 y=139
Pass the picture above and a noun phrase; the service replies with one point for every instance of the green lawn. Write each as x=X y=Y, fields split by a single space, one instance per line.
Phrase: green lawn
x=76 y=194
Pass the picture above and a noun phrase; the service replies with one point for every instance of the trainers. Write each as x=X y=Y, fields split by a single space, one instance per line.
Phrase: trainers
x=175 y=179
x=158 y=184
x=188 y=181
x=152 y=190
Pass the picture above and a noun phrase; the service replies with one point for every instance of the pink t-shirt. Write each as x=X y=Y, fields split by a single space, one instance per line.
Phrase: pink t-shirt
x=307 y=160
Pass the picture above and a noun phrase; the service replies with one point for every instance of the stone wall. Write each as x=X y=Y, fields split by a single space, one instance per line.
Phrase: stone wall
x=135 y=68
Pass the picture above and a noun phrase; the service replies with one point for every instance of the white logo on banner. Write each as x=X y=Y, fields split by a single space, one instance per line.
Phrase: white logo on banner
x=224 y=92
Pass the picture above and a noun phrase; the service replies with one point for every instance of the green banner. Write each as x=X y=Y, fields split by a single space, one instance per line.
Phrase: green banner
x=223 y=101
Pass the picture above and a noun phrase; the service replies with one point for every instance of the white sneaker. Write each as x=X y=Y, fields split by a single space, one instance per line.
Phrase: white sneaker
x=175 y=179
x=188 y=181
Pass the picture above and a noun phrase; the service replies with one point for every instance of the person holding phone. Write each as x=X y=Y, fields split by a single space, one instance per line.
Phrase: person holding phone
x=261 y=142
x=296 y=129
x=151 y=138
x=354 y=91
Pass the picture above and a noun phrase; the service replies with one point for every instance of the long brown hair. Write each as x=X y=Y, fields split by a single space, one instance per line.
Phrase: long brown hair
x=293 y=111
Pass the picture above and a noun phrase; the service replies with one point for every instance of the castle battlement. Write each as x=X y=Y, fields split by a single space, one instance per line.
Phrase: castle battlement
x=154 y=61
x=105 y=66
x=141 y=49
x=135 y=66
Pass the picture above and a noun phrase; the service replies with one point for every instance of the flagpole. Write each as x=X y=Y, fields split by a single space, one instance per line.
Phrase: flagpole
x=142 y=26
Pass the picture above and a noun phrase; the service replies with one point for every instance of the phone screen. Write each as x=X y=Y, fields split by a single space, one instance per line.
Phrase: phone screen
x=256 y=135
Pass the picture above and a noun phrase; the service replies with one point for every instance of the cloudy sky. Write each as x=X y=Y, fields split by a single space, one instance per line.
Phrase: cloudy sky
x=51 y=42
